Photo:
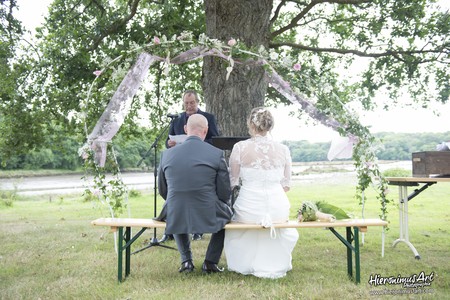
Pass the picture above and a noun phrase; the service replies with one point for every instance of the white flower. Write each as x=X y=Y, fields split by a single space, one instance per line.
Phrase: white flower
x=203 y=38
x=262 y=51
x=83 y=151
x=273 y=55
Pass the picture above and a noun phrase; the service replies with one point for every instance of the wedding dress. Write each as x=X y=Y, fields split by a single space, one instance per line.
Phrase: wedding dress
x=263 y=167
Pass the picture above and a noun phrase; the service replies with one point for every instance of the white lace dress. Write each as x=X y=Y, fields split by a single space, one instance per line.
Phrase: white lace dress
x=264 y=168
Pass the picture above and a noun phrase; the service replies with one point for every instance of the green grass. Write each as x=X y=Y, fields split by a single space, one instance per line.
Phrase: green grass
x=49 y=250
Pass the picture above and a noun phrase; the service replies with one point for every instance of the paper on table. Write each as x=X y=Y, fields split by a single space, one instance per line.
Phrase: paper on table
x=178 y=138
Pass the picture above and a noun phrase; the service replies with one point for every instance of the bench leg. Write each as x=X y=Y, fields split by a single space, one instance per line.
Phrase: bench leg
x=348 y=242
x=127 y=251
x=355 y=241
x=357 y=257
x=349 y=252
x=119 y=254
x=124 y=244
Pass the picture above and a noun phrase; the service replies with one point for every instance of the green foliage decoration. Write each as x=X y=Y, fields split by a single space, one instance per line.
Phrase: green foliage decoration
x=109 y=191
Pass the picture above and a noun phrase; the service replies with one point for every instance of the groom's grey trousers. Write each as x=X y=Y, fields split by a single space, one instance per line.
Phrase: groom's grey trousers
x=213 y=252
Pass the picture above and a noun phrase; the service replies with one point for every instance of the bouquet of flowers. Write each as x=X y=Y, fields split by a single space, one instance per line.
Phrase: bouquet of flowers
x=320 y=211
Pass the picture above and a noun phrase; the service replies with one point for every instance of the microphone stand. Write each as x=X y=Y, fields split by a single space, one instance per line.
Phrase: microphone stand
x=154 y=241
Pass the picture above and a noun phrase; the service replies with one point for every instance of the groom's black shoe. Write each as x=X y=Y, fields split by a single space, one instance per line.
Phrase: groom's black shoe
x=166 y=237
x=209 y=267
x=186 y=267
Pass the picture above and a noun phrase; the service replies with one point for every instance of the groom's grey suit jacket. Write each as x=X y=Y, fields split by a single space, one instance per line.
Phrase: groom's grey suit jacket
x=193 y=179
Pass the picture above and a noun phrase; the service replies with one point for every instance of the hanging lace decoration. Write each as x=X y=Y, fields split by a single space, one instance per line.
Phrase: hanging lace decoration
x=118 y=107
x=113 y=116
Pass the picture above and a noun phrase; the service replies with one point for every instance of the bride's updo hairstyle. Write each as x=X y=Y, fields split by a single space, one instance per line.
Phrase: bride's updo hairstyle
x=260 y=120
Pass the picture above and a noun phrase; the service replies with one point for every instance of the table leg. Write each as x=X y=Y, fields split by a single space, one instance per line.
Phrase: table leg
x=403 y=220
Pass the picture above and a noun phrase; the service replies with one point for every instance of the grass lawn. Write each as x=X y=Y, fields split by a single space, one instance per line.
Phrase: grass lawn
x=49 y=250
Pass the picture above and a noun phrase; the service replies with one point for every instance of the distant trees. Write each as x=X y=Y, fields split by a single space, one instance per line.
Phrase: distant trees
x=304 y=151
x=395 y=146
x=400 y=146
x=131 y=146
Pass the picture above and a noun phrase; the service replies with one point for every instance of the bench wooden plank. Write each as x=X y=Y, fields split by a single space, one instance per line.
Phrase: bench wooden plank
x=150 y=223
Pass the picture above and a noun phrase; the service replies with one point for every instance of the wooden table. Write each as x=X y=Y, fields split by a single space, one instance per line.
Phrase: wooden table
x=403 y=183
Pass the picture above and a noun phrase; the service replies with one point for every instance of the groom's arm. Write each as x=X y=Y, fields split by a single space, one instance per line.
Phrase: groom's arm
x=223 y=188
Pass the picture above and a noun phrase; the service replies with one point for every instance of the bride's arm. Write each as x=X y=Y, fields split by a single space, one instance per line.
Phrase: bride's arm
x=235 y=166
x=286 y=181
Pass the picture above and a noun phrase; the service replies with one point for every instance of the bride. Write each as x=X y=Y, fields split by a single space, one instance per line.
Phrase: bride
x=263 y=167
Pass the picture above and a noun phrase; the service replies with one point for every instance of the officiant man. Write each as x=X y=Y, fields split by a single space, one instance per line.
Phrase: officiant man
x=194 y=181
x=190 y=105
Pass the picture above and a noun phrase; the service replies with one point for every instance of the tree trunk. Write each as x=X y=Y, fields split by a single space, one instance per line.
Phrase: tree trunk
x=231 y=100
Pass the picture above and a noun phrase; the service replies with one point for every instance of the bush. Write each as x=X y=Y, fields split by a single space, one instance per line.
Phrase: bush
x=397 y=172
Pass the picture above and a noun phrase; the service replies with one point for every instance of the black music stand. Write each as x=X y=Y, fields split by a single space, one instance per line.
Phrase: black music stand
x=154 y=241
x=227 y=143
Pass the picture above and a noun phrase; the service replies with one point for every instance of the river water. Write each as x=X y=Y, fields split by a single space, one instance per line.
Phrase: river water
x=330 y=172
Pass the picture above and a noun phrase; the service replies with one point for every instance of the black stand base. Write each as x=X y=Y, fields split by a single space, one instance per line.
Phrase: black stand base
x=154 y=243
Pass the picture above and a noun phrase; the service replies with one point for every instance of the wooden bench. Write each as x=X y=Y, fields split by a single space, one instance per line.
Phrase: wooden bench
x=351 y=240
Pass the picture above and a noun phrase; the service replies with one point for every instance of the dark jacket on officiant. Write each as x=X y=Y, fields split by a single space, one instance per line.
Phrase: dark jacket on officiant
x=190 y=104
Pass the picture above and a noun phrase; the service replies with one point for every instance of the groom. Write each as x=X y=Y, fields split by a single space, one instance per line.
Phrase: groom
x=194 y=181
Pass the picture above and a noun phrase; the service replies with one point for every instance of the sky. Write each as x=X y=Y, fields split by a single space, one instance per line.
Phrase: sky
x=401 y=120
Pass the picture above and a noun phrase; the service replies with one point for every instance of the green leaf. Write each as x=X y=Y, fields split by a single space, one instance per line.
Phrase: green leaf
x=337 y=212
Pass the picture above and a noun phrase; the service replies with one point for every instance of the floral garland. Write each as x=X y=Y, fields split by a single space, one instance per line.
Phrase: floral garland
x=108 y=191
x=162 y=49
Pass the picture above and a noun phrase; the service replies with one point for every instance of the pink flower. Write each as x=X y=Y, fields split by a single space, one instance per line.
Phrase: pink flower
x=232 y=42
x=156 y=40
x=297 y=67
x=97 y=73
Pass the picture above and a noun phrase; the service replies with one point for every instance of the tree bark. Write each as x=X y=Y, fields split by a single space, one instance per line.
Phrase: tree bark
x=231 y=100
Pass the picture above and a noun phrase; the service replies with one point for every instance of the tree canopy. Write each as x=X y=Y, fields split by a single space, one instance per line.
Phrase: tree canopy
x=384 y=47
x=399 y=47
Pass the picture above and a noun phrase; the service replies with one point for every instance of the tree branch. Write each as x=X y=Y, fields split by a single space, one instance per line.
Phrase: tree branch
x=133 y=4
x=396 y=54
x=310 y=6
x=277 y=12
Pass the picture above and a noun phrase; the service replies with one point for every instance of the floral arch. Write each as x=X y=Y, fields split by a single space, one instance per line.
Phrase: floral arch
x=357 y=136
